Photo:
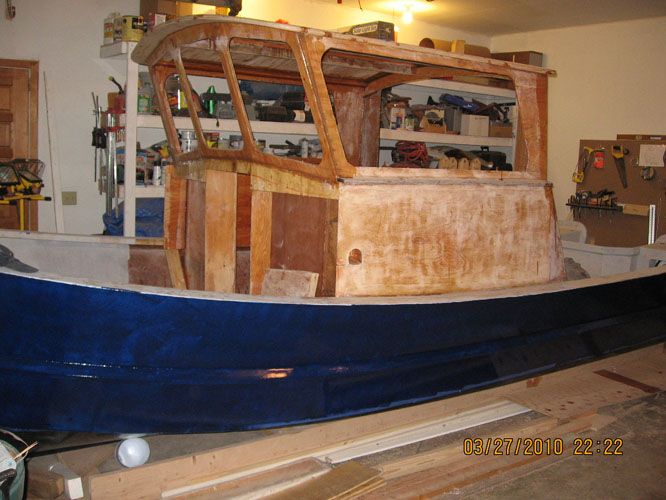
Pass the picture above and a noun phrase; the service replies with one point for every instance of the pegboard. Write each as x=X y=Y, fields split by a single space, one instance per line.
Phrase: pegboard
x=614 y=227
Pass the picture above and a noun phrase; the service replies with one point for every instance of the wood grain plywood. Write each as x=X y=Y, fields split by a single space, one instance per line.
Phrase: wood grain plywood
x=300 y=237
x=438 y=238
x=220 y=231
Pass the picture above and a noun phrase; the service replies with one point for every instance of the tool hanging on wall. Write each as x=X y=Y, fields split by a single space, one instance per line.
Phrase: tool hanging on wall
x=648 y=173
x=619 y=152
x=588 y=156
x=98 y=133
x=599 y=158
x=11 y=10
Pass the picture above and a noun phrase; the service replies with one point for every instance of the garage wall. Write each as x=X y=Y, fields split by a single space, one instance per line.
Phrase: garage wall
x=610 y=79
x=65 y=35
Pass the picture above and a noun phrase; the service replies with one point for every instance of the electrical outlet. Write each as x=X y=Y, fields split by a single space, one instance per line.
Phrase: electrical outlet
x=69 y=197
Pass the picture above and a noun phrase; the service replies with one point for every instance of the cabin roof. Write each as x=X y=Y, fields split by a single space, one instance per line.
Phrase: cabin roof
x=351 y=66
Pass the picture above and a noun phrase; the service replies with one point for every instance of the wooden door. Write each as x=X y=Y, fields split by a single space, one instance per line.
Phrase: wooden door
x=18 y=125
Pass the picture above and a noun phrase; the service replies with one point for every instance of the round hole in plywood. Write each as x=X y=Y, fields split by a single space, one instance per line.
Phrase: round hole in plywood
x=355 y=257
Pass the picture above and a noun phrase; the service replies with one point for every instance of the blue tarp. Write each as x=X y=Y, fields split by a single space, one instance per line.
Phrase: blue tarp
x=149 y=219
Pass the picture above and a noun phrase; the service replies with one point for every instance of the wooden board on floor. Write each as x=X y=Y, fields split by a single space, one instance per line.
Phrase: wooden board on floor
x=342 y=481
x=588 y=387
x=259 y=485
x=448 y=470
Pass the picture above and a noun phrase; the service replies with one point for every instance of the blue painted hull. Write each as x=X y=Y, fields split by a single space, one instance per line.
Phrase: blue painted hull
x=87 y=358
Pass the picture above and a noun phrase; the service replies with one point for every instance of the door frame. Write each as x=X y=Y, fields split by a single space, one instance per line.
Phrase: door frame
x=33 y=106
x=33 y=97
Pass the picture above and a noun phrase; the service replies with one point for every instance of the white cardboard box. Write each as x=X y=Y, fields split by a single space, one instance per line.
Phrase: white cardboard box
x=474 y=125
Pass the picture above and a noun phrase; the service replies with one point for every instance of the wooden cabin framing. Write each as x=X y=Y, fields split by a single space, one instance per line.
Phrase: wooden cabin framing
x=365 y=230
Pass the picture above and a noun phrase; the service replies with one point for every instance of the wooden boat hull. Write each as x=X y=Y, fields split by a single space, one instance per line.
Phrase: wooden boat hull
x=83 y=357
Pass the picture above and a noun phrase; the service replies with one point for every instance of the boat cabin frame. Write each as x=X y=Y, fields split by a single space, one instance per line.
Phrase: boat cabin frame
x=362 y=228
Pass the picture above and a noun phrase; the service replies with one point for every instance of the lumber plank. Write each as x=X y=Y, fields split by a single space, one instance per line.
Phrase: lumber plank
x=258 y=485
x=176 y=273
x=194 y=253
x=453 y=453
x=337 y=483
x=84 y=461
x=44 y=483
x=220 y=231
x=582 y=389
x=453 y=473
x=175 y=207
x=289 y=283
x=261 y=229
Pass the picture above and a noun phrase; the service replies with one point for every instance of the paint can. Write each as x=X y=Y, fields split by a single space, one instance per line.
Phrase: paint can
x=132 y=28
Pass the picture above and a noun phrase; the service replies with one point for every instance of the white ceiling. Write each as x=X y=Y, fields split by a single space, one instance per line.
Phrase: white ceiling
x=497 y=17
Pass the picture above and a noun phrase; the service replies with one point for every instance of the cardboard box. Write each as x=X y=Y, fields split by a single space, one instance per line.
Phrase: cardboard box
x=525 y=57
x=474 y=125
x=501 y=130
x=376 y=29
x=459 y=46
x=148 y=7
x=173 y=8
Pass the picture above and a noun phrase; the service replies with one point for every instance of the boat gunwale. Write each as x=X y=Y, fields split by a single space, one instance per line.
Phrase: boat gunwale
x=379 y=300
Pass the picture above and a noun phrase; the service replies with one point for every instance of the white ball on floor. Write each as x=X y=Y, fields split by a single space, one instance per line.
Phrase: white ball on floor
x=133 y=452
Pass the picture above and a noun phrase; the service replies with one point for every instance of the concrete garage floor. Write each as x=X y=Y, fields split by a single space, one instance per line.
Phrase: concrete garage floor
x=639 y=473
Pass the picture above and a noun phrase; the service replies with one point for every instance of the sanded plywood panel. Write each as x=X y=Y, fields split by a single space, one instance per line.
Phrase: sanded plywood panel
x=401 y=239
x=220 y=231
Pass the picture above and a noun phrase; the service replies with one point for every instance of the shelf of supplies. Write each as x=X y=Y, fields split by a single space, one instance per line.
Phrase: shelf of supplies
x=211 y=124
x=468 y=88
x=470 y=140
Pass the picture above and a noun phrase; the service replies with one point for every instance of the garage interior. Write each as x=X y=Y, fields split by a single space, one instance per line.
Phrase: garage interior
x=596 y=429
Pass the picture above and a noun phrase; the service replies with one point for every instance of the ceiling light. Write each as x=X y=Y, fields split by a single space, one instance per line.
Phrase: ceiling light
x=408 y=16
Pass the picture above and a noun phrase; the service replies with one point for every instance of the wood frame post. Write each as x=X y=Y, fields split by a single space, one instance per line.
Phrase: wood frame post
x=260 y=238
x=220 y=231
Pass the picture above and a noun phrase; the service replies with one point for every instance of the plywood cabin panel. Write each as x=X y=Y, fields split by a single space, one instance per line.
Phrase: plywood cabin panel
x=220 y=231
x=194 y=258
x=300 y=236
x=427 y=238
